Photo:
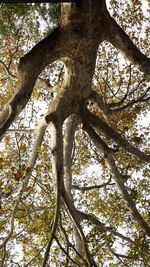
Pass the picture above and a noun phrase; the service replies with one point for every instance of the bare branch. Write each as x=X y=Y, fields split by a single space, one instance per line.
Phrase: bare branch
x=3 y=257
x=73 y=214
x=70 y=128
x=87 y=188
x=103 y=227
x=65 y=252
x=141 y=98
x=7 y=69
x=29 y=262
x=127 y=94
x=122 y=255
x=69 y=133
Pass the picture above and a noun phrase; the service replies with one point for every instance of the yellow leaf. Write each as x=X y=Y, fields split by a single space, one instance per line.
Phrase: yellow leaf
x=1 y=183
x=77 y=137
x=23 y=148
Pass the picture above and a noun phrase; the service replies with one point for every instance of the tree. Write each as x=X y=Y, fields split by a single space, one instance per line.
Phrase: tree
x=54 y=208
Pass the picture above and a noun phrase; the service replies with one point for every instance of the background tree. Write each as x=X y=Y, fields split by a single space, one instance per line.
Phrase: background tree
x=74 y=191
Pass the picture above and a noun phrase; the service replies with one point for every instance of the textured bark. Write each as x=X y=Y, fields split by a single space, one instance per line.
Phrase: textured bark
x=57 y=171
x=83 y=26
x=124 y=44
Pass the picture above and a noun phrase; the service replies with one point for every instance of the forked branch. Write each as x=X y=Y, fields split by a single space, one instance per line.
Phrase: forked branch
x=29 y=68
x=118 y=177
x=104 y=128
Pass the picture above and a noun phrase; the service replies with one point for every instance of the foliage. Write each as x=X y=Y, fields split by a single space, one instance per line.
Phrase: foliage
x=117 y=240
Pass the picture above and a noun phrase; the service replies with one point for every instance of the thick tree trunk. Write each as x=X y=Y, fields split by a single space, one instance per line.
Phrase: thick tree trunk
x=84 y=25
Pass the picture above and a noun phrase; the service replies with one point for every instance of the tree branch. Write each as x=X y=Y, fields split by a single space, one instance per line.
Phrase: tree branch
x=87 y=188
x=30 y=66
x=29 y=262
x=57 y=171
x=69 y=132
x=65 y=252
x=103 y=127
x=103 y=227
x=39 y=132
x=73 y=214
x=43 y=1
x=132 y=102
x=116 y=35
x=7 y=69
x=118 y=177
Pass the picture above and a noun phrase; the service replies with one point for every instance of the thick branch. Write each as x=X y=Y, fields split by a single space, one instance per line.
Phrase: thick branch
x=117 y=177
x=30 y=66
x=115 y=136
x=98 y=101
x=116 y=35
x=71 y=126
x=69 y=133
x=57 y=170
x=76 y=220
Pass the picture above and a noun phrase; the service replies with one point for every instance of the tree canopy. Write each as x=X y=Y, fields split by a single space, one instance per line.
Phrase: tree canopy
x=74 y=156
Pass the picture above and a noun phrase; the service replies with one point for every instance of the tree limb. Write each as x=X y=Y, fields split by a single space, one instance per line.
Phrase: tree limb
x=103 y=227
x=117 y=177
x=73 y=214
x=69 y=132
x=40 y=131
x=116 y=35
x=65 y=252
x=103 y=127
x=7 y=69
x=57 y=171
x=30 y=66
x=87 y=188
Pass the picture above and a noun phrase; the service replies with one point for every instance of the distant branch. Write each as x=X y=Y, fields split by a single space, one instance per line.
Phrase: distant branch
x=7 y=69
x=102 y=227
x=29 y=262
x=87 y=188
x=65 y=252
